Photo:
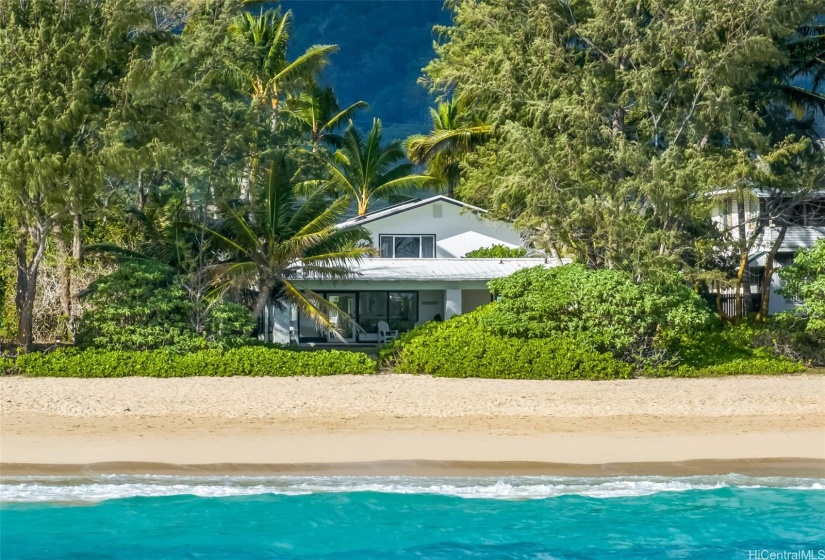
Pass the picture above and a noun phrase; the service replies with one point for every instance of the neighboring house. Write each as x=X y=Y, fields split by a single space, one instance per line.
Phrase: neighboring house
x=806 y=225
x=419 y=274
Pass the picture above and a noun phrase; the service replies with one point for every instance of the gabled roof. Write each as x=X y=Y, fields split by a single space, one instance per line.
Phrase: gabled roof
x=404 y=207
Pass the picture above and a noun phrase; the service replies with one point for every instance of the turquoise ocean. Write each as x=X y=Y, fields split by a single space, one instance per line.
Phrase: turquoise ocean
x=234 y=517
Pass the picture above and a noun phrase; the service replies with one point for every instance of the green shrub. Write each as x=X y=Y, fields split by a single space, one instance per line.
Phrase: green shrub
x=497 y=252
x=737 y=366
x=463 y=347
x=730 y=351
x=466 y=346
x=805 y=279
x=7 y=366
x=143 y=306
x=787 y=335
x=605 y=307
x=249 y=361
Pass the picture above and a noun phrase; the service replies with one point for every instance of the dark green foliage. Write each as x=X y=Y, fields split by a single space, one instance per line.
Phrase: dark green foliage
x=143 y=306
x=497 y=252
x=730 y=351
x=805 y=280
x=573 y=323
x=604 y=307
x=250 y=361
x=7 y=366
x=787 y=335
x=464 y=347
x=452 y=138
x=610 y=117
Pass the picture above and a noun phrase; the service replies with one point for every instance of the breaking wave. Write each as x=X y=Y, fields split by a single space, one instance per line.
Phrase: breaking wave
x=98 y=488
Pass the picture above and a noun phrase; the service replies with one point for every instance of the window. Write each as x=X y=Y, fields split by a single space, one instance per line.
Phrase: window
x=727 y=214
x=802 y=214
x=407 y=246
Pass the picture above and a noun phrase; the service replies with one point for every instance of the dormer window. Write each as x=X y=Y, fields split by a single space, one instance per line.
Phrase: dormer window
x=407 y=246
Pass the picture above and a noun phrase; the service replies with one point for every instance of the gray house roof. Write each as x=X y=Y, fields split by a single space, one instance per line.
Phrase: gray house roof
x=425 y=270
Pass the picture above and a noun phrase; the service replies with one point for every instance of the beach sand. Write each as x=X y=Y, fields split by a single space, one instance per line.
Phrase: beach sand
x=399 y=424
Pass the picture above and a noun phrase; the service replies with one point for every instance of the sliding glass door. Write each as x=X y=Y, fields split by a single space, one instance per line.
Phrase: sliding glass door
x=372 y=308
x=342 y=321
x=398 y=309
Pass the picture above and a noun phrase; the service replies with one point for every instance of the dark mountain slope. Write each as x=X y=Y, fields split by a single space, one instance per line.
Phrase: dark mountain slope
x=384 y=44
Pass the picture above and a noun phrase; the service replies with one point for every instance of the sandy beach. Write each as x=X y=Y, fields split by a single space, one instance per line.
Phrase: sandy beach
x=399 y=423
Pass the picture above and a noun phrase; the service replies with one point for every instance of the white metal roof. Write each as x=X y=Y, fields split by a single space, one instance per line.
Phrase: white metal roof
x=423 y=270
x=405 y=206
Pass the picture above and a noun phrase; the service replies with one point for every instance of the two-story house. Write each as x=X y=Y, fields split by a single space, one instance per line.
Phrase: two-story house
x=420 y=273
x=804 y=224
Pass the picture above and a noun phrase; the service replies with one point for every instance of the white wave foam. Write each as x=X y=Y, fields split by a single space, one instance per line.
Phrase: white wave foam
x=107 y=487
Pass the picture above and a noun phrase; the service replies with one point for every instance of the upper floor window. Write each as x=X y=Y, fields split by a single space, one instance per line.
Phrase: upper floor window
x=805 y=214
x=407 y=246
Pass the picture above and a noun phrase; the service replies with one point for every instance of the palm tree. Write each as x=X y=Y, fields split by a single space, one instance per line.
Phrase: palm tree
x=806 y=63
x=790 y=96
x=366 y=170
x=317 y=112
x=449 y=141
x=266 y=73
x=289 y=232
x=167 y=236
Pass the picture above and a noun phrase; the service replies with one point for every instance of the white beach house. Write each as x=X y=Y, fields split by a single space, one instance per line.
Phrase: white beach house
x=420 y=274
x=805 y=223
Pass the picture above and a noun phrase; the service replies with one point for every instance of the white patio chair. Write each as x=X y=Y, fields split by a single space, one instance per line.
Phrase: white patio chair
x=384 y=333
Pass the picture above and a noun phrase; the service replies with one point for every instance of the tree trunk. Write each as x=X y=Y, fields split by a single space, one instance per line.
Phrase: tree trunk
x=618 y=120
x=141 y=201
x=261 y=302
x=63 y=272
x=77 y=258
x=770 y=260
x=273 y=118
x=67 y=260
x=246 y=179
x=28 y=268
x=77 y=236
x=745 y=304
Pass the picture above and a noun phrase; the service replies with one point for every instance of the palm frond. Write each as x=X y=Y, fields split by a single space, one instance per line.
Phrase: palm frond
x=422 y=149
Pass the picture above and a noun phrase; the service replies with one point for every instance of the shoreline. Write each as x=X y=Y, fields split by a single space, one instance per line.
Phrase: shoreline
x=415 y=424
x=778 y=467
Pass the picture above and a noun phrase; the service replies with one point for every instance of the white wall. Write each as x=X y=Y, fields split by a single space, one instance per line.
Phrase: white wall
x=724 y=213
x=778 y=304
x=430 y=304
x=279 y=323
x=456 y=231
